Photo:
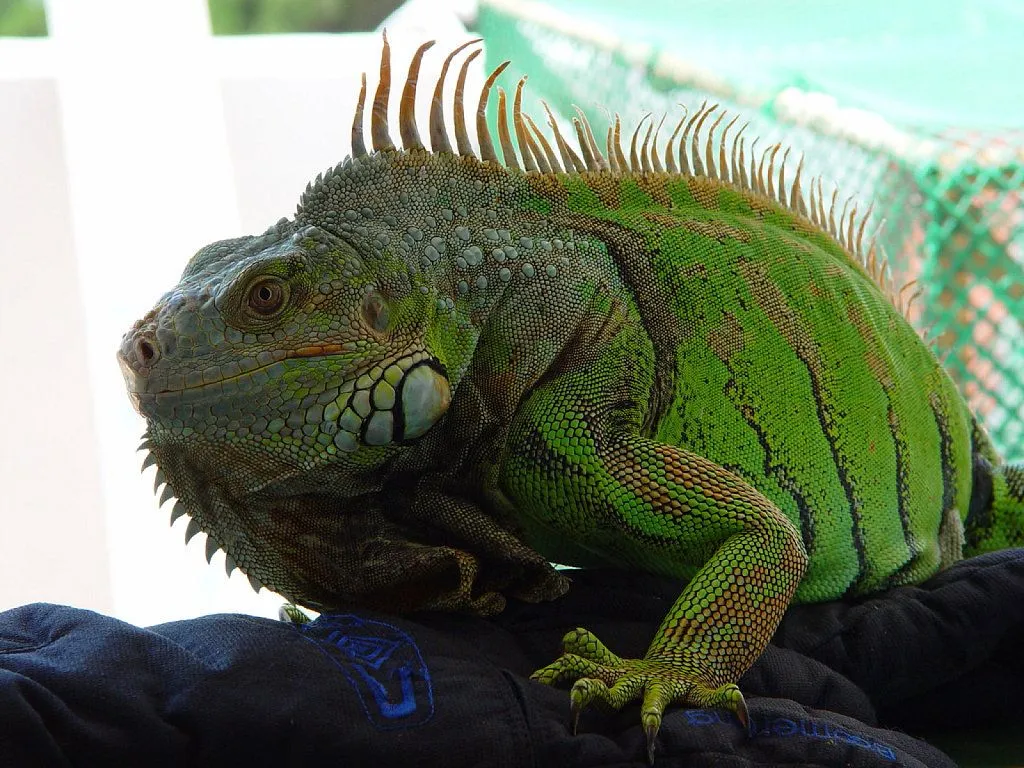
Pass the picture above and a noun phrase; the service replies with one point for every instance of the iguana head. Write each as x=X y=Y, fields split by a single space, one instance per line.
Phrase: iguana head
x=291 y=349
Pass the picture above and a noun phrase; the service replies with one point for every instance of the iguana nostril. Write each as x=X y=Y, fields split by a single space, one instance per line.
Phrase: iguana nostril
x=145 y=352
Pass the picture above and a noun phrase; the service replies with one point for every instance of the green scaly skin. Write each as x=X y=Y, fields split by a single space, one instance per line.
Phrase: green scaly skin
x=444 y=374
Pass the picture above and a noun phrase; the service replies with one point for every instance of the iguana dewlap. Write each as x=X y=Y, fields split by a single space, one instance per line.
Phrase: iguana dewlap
x=448 y=370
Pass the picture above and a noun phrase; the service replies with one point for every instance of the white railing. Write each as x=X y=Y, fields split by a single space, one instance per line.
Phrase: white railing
x=128 y=139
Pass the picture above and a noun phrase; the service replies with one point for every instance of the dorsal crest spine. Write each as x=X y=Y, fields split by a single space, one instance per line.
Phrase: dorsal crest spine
x=719 y=155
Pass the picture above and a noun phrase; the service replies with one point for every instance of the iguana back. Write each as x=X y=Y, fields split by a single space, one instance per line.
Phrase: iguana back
x=778 y=354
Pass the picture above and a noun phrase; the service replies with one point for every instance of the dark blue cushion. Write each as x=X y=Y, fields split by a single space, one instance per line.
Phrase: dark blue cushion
x=841 y=684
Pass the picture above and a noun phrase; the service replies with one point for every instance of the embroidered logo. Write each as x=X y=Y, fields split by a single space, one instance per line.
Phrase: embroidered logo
x=784 y=727
x=382 y=664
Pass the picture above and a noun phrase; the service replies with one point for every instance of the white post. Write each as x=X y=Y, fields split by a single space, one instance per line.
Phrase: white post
x=150 y=181
x=53 y=545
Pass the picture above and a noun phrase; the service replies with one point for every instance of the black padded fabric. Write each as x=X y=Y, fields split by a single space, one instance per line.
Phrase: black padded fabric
x=843 y=684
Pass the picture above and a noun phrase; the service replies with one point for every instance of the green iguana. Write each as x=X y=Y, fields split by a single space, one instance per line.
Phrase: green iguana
x=450 y=370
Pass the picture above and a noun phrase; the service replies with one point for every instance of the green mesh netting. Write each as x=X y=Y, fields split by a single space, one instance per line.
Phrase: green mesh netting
x=944 y=176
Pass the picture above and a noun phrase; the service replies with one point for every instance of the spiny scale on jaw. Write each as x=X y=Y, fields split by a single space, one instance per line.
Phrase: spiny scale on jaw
x=178 y=511
x=719 y=156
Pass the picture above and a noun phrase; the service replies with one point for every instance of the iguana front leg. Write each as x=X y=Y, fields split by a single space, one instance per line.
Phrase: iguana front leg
x=636 y=501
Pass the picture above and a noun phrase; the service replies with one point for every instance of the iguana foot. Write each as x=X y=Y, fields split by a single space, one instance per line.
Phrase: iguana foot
x=601 y=676
x=292 y=614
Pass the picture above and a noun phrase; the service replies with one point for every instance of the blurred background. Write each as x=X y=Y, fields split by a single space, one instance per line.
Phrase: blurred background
x=27 y=18
x=132 y=132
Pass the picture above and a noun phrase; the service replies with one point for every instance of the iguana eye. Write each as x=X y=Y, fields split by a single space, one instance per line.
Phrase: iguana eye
x=376 y=312
x=267 y=296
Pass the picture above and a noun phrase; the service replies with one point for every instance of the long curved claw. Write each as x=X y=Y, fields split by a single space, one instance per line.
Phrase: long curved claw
x=584 y=691
x=651 y=732
x=656 y=698
x=729 y=697
x=741 y=711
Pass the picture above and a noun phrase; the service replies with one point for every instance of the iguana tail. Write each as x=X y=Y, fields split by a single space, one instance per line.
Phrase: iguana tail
x=995 y=519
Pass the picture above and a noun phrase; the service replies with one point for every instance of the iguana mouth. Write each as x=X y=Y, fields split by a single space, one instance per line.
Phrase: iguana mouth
x=139 y=383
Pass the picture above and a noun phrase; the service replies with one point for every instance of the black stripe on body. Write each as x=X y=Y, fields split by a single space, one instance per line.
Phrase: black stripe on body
x=882 y=370
x=635 y=259
x=948 y=461
x=782 y=477
x=773 y=303
x=902 y=494
x=829 y=431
